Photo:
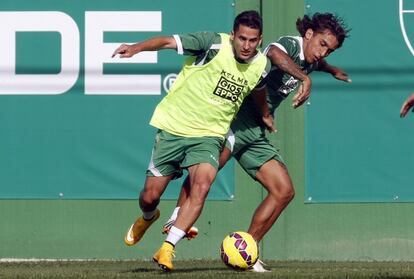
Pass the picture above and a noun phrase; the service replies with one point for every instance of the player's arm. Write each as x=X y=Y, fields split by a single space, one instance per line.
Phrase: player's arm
x=334 y=71
x=152 y=44
x=282 y=60
x=259 y=94
x=407 y=105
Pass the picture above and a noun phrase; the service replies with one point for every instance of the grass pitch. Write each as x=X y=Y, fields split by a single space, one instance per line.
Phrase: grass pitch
x=204 y=269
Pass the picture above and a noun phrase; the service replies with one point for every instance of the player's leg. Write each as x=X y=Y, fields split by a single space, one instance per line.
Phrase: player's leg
x=263 y=163
x=201 y=176
x=185 y=190
x=148 y=201
x=224 y=157
x=275 y=178
x=202 y=165
x=159 y=174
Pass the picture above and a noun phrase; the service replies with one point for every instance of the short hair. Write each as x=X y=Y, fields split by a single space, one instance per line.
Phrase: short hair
x=322 y=21
x=250 y=19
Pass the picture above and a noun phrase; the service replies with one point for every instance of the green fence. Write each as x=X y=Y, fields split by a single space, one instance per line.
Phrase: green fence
x=357 y=147
x=74 y=121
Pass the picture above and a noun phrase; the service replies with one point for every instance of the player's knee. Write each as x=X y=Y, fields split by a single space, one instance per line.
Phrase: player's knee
x=288 y=194
x=199 y=191
x=149 y=198
x=283 y=195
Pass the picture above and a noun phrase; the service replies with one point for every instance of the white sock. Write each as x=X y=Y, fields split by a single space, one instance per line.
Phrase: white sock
x=175 y=235
x=174 y=214
x=149 y=214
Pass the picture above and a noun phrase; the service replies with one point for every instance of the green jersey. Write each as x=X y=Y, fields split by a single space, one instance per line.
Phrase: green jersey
x=209 y=89
x=278 y=83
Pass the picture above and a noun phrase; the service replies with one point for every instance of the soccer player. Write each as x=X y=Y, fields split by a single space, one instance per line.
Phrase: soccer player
x=194 y=117
x=407 y=105
x=247 y=142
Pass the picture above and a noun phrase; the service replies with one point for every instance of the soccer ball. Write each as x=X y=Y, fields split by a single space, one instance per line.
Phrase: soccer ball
x=239 y=250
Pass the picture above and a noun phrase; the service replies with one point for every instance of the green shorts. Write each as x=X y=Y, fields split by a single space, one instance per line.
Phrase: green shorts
x=250 y=147
x=171 y=154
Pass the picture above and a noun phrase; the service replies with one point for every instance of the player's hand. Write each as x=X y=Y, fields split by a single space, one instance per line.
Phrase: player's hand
x=124 y=51
x=341 y=75
x=268 y=121
x=303 y=93
x=407 y=105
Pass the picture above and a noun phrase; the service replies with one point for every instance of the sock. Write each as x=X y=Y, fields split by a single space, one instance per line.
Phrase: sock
x=175 y=235
x=149 y=215
x=174 y=214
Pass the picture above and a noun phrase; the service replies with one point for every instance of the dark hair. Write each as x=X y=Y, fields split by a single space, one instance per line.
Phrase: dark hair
x=250 y=19
x=320 y=22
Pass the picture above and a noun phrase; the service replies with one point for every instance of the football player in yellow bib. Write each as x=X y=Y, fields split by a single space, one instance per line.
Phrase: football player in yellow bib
x=193 y=119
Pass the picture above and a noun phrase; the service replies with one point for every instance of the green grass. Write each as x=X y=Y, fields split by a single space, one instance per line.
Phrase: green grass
x=204 y=269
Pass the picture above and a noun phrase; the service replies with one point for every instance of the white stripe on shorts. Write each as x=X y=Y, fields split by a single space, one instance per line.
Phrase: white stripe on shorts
x=151 y=166
x=231 y=139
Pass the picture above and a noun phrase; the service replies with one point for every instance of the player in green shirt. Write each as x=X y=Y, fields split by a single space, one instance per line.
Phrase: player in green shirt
x=407 y=105
x=194 y=118
x=247 y=142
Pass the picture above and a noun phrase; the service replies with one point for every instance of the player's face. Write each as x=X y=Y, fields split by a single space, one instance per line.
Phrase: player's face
x=318 y=45
x=245 y=41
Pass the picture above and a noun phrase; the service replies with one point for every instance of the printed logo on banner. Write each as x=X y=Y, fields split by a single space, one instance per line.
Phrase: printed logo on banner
x=406 y=12
x=168 y=81
x=96 y=53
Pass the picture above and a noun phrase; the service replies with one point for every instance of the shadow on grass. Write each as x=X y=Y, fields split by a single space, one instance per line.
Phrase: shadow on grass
x=140 y=270
x=181 y=270
x=198 y=269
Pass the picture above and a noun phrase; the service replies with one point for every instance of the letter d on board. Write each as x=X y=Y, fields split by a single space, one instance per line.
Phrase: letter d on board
x=42 y=21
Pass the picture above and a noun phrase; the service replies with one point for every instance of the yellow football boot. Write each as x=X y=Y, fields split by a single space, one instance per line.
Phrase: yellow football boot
x=137 y=230
x=164 y=256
